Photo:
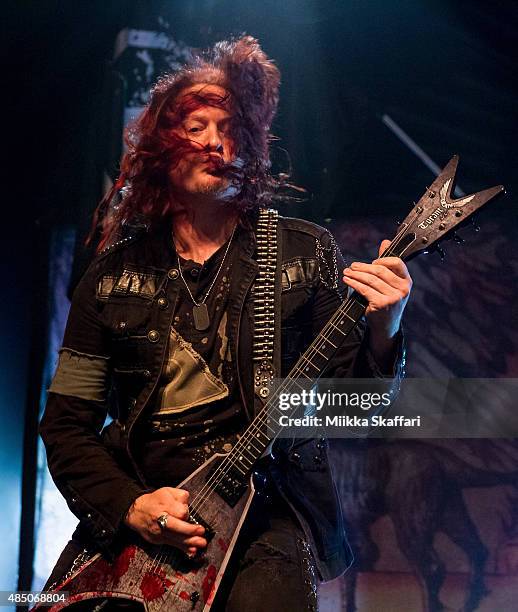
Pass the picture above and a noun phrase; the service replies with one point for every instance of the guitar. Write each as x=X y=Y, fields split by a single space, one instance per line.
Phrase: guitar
x=222 y=489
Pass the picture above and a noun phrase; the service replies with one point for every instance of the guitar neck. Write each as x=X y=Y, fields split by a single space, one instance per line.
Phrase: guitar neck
x=434 y=216
x=310 y=366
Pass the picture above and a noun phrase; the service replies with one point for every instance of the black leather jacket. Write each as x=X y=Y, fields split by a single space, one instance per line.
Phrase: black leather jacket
x=114 y=348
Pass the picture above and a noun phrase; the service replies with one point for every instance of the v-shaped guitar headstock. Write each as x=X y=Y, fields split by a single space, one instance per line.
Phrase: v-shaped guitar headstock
x=437 y=213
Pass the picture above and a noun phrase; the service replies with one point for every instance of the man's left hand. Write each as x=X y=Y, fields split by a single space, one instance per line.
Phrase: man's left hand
x=386 y=285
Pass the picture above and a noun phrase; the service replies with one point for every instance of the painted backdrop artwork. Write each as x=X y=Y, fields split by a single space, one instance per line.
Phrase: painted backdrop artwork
x=434 y=523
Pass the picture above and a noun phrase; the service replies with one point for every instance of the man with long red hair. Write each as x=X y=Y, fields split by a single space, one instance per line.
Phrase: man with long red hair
x=161 y=331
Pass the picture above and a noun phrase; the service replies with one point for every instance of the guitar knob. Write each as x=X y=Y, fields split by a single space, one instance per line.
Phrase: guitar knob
x=195 y=596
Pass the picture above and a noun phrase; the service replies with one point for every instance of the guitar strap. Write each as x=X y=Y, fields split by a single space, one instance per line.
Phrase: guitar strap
x=267 y=295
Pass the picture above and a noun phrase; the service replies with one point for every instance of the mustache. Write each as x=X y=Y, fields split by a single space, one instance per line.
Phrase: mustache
x=232 y=169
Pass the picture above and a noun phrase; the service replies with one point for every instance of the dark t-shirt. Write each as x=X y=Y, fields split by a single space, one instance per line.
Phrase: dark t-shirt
x=197 y=410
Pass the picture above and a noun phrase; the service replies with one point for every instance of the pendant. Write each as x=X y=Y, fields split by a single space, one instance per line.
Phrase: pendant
x=200 y=314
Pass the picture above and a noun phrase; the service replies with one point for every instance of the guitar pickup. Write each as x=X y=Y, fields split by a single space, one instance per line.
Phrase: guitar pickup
x=230 y=488
x=229 y=484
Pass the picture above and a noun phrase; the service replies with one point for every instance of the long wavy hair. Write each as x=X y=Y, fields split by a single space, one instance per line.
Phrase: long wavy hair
x=252 y=82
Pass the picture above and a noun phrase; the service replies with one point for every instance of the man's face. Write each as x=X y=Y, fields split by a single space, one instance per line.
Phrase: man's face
x=208 y=129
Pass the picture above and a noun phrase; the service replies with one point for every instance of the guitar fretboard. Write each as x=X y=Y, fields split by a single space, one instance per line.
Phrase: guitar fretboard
x=310 y=366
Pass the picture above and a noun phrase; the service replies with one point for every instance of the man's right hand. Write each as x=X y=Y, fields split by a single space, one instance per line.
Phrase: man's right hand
x=143 y=513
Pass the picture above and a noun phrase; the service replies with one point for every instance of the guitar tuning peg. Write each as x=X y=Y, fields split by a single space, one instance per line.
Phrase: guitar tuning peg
x=458 y=239
x=441 y=252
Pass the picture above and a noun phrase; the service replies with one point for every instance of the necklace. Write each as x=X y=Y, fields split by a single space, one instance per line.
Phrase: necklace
x=200 y=313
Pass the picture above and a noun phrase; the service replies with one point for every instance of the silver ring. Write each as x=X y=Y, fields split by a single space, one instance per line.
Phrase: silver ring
x=162 y=520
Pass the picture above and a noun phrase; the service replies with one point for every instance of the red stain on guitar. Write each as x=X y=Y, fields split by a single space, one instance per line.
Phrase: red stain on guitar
x=223 y=545
x=154 y=584
x=96 y=577
x=208 y=583
x=122 y=563
x=184 y=595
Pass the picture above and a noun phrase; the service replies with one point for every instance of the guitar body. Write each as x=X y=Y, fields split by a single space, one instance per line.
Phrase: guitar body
x=161 y=577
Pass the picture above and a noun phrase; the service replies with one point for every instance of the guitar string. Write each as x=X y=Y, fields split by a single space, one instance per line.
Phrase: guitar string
x=229 y=462
x=165 y=554
x=199 y=500
x=255 y=427
x=312 y=351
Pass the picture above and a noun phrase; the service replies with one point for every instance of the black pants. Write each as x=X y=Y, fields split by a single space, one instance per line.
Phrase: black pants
x=271 y=568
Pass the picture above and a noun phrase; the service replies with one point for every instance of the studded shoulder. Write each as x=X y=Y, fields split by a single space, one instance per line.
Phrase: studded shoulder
x=116 y=246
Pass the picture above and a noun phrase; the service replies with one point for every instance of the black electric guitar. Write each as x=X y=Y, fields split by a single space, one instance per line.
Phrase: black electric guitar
x=221 y=490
